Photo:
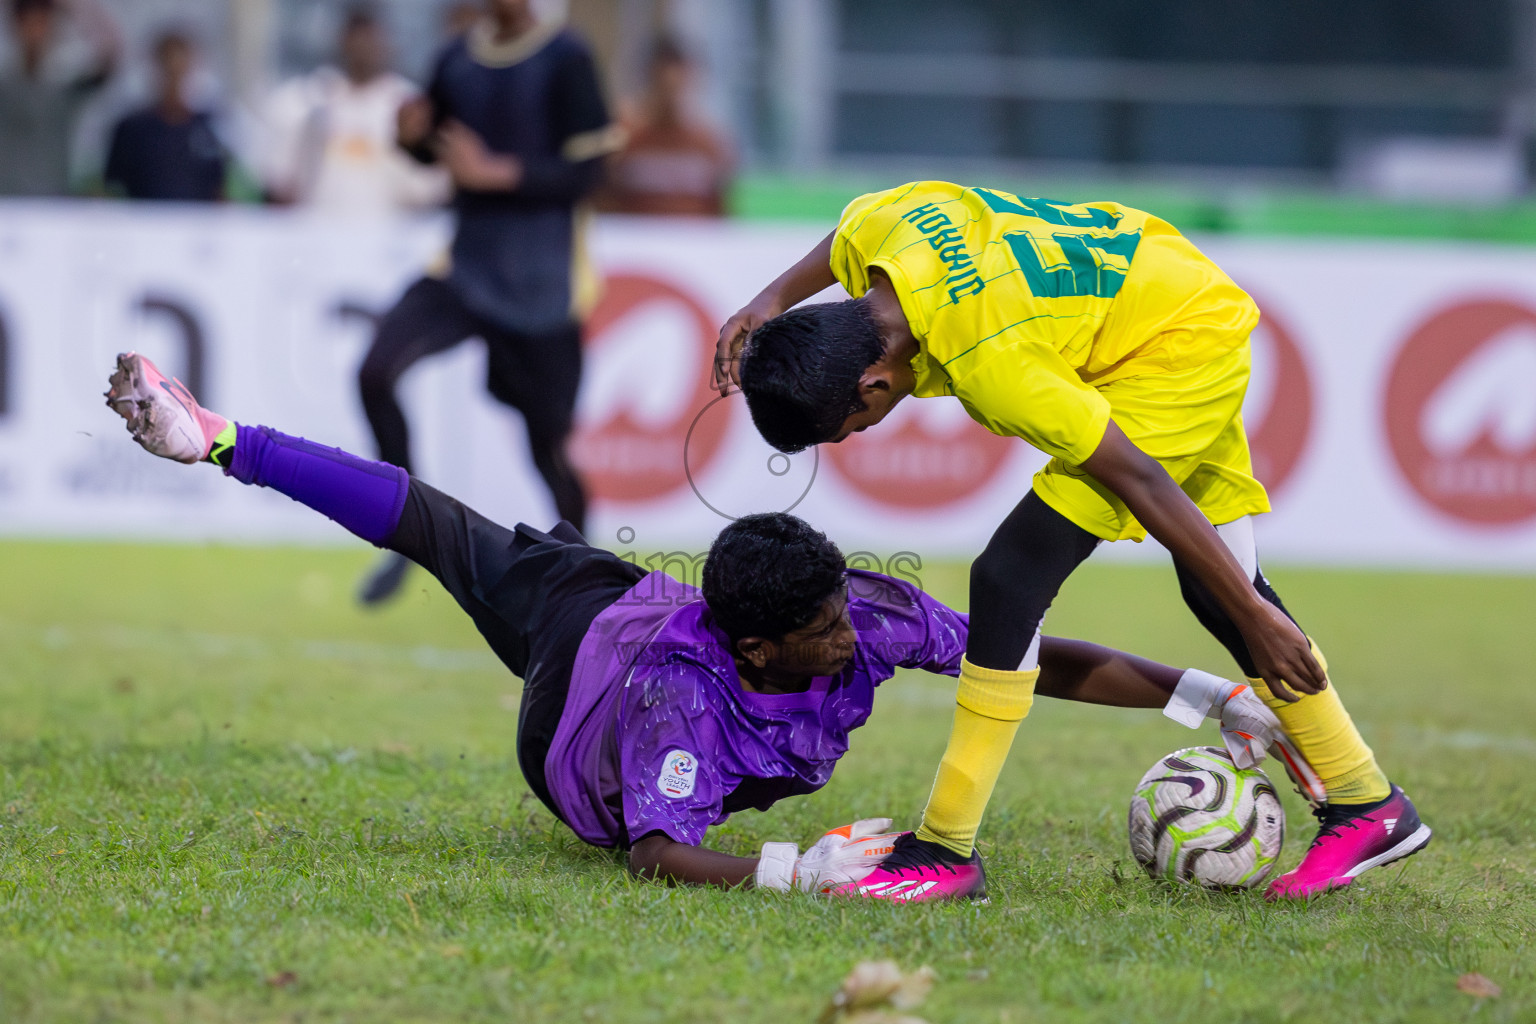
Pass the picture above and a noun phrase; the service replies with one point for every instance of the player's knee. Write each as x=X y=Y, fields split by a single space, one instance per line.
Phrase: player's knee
x=996 y=576
x=985 y=574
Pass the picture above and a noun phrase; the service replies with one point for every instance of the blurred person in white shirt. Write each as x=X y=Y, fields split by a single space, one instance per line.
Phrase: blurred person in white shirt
x=333 y=147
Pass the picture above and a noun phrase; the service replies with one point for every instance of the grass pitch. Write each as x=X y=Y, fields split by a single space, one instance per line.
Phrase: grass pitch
x=228 y=795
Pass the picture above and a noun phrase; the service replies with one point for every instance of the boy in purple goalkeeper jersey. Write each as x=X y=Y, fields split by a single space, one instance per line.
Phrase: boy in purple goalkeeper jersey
x=651 y=710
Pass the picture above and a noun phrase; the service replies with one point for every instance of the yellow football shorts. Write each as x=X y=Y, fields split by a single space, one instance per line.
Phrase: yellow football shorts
x=1191 y=421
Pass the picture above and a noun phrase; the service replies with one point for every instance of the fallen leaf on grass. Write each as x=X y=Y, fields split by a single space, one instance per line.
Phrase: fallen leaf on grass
x=282 y=979
x=1478 y=986
x=873 y=985
x=412 y=904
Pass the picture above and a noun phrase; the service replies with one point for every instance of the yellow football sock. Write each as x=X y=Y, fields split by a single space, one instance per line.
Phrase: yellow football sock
x=989 y=705
x=1326 y=736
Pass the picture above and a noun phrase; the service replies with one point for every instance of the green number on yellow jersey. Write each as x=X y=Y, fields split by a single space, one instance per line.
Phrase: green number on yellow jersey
x=1061 y=264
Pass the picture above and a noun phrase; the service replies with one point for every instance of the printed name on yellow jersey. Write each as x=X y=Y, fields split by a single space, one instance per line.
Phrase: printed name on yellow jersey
x=946 y=239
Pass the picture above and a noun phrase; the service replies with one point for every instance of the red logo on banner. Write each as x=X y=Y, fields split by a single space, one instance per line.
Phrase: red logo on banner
x=1461 y=411
x=926 y=453
x=649 y=350
x=1278 y=410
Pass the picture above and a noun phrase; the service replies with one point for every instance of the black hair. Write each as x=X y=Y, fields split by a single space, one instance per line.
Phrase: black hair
x=22 y=7
x=801 y=371
x=769 y=574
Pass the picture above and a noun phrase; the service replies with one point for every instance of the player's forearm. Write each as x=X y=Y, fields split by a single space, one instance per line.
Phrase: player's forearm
x=667 y=860
x=810 y=275
x=1174 y=521
x=1091 y=674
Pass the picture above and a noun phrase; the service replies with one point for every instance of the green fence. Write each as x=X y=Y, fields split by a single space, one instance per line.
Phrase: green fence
x=1263 y=212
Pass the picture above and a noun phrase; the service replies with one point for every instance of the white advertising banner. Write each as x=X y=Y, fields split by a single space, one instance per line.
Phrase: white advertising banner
x=1392 y=412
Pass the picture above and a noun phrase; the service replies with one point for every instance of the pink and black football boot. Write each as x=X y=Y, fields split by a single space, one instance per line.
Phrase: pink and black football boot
x=917 y=871
x=162 y=415
x=1353 y=839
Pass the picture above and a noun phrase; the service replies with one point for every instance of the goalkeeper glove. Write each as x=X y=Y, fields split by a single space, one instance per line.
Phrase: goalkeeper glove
x=1248 y=727
x=842 y=855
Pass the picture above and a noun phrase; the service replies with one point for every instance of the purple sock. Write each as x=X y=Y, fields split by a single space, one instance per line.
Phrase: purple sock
x=363 y=496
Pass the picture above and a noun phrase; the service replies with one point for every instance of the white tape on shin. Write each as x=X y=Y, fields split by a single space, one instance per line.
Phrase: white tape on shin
x=1032 y=656
x=1238 y=537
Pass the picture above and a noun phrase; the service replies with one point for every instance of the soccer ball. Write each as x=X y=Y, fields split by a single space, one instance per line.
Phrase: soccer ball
x=1197 y=817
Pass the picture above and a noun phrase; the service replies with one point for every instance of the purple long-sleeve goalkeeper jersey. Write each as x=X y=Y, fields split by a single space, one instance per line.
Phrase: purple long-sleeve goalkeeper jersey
x=658 y=735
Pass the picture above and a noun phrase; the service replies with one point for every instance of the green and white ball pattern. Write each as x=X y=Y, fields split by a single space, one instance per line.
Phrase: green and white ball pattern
x=1197 y=817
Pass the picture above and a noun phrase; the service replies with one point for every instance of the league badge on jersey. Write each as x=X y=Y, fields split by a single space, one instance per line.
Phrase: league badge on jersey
x=679 y=770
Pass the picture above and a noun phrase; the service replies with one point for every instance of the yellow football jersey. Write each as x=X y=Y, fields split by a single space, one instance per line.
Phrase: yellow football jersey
x=1025 y=309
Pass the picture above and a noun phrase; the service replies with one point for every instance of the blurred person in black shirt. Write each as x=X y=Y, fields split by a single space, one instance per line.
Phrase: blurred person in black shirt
x=168 y=150
x=41 y=100
x=515 y=113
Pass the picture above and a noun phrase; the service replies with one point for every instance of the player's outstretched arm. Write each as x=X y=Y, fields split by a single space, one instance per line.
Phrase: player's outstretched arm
x=807 y=277
x=665 y=859
x=841 y=855
x=1080 y=671
x=1280 y=650
x=1091 y=674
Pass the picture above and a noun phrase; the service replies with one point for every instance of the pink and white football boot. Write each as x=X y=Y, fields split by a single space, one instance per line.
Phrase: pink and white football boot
x=162 y=415
x=917 y=871
x=1353 y=839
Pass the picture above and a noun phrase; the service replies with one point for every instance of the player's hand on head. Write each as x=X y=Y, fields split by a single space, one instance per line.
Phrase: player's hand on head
x=1283 y=655
x=733 y=338
x=728 y=353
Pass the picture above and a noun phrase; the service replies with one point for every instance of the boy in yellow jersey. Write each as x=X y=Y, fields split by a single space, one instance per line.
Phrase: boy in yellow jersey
x=1103 y=337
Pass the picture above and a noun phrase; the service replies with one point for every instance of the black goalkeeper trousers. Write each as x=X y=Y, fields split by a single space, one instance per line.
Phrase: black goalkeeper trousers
x=536 y=374
x=532 y=595
x=1023 y=567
